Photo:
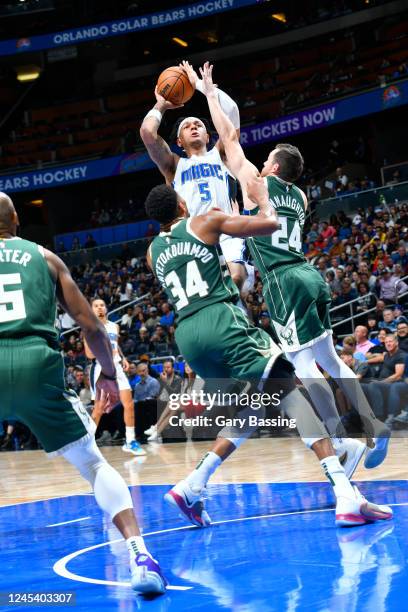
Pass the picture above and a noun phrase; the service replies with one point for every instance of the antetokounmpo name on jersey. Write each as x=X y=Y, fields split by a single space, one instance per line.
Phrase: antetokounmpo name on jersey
x=181 y=248
x=202 y=171
x=281 y=201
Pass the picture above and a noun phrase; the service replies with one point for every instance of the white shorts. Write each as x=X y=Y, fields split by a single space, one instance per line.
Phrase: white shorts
x=123 y=382
x=232 y=248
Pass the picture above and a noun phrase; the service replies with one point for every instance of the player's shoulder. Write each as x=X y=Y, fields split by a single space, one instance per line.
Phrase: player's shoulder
x=302 y=195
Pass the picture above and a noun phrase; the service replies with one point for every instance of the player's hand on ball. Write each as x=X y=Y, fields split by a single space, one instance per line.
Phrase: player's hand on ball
x=191 y=73
x=163 y=104
x=209 y=87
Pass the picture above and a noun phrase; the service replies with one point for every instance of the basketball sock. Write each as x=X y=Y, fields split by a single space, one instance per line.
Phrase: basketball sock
x=203 y=471
x=325 y=354
x=130 y=434
x=337 y=477
x=110 y=490
x=136 y=546
x=319 y=390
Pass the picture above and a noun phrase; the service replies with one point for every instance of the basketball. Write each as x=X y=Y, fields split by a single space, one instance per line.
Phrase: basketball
x=174 y=86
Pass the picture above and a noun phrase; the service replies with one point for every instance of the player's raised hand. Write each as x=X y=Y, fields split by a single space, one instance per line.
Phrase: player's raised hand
x=209 y=87
x=163 y=104
x=191 y=73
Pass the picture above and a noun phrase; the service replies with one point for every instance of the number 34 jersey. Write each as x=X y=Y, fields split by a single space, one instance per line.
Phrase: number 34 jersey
x=283 y=247
x=192 y=273
x=202 y=181
x=27 y=292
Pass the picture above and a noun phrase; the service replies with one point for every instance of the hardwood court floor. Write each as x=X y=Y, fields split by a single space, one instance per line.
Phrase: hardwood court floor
x=30 y=475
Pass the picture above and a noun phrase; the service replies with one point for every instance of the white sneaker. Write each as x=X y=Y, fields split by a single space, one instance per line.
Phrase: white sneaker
x=146 y=576
x=189 y=503
x=134 y=448
x=151 y=429
x=359 y=511
x=154 y=437
x=349 y=452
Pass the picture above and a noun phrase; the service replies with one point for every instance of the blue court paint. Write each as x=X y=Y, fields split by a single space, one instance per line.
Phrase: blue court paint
x=273 y=547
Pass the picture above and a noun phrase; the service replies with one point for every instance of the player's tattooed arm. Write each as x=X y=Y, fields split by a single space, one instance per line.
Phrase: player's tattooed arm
x=156 y=146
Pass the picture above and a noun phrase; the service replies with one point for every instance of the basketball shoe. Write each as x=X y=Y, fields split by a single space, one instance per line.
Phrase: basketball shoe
x=377 y=449
x=359 y=511
x=189 y=503
x=349 y=452
x=146 y=576
x=134 y=448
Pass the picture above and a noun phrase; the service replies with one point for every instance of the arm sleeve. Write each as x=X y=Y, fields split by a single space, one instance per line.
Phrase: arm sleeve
x=227 y=104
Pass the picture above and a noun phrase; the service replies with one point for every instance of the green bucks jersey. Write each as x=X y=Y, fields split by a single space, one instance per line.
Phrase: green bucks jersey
x=283 y=247
x=193 y=274
x=27 y=292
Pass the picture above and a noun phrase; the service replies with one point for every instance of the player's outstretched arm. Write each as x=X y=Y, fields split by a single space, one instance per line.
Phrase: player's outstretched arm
x=75 y=304
x=156 y=146
x=240 y=166
x=210 y=226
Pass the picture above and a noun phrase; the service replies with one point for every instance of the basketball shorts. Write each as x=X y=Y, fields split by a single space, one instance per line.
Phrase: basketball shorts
x=298 y=302
x=33 y=392
x=122 y=379
x=233 y=249
x=219 y=342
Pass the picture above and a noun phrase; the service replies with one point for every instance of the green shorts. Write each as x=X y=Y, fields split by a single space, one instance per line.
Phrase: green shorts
x=298 y=302
x=33 y=392
x=219 y=342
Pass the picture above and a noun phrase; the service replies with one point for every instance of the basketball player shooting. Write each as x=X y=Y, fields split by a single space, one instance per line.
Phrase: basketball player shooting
x=201 y=177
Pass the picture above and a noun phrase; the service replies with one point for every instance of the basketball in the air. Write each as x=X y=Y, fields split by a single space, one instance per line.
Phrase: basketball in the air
x=173 y=84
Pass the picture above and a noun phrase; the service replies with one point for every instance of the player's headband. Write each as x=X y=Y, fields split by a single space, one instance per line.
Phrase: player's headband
x=187 y=120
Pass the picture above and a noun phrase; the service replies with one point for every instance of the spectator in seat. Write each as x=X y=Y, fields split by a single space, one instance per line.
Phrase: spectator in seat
x=167 y=317
x=153 y=320
x=127 y=319
x=132 y=375
x=402 y=334
x=384 y=393
x=127 y=344
x=366 y=301
x=363 y=344
x=390 y=286
x=388 y=320
x=401 y=257
x=90 y=242
x=169 y=379
x=145 y=395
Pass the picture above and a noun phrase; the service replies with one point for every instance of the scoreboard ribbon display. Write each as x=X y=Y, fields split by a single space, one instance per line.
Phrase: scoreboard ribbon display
x=121 y=26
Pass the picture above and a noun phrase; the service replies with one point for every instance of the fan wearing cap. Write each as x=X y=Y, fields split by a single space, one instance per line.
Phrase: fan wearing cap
x=201 y=178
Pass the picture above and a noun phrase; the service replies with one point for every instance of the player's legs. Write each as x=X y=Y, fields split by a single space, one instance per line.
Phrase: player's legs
x=113 y=497
x=131 y=445
x=326 y=356
x=63 y=426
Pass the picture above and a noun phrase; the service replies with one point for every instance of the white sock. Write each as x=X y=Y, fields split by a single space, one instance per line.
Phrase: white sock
x=130 y=434
x=337 y=476
x=136 y=546
x=201 y=475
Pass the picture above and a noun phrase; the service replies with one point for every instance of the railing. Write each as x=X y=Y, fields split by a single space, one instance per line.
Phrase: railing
x=354 y=316
x=107 y=251
x=393 y=194
x=131 y=303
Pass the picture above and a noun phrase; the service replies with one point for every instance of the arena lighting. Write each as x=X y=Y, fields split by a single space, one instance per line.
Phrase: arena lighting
x=37 y=203
x=279 y=17
x=26 y=74
x=179 y=41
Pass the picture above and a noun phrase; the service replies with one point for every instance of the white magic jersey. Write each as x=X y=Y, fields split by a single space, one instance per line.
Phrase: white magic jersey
x=202 y=181
x=112 y=331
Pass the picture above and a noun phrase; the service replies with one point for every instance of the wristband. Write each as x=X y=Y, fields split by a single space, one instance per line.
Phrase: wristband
x=154 y=112
x=109 y=377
